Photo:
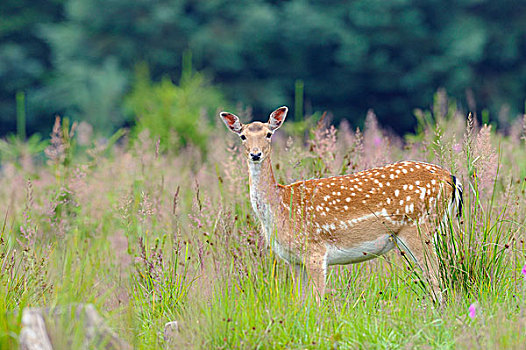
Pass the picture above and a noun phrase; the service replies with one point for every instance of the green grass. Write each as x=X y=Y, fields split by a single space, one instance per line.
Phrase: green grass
x=150 y=238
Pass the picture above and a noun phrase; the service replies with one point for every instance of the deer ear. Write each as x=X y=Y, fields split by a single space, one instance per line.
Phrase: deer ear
x=231 y=121
x=277 y=118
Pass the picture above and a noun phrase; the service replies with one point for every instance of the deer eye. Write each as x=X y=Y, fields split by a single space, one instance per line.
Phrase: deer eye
x=243 y=137
x=269 y=135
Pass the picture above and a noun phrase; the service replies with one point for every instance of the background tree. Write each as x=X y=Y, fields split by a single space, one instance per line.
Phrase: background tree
x=351 y=55
x=24 y=56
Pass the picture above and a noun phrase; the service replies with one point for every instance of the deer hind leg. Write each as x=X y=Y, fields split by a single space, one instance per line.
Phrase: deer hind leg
x=417 y=246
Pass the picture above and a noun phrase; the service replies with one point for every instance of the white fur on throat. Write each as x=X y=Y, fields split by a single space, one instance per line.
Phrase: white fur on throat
x=259 y=197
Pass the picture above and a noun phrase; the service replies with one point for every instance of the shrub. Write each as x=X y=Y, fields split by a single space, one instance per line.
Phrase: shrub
x=174 y=114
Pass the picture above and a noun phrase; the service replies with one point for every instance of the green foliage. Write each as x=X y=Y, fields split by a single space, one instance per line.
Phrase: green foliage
x=76 y=57
x=178 y=115
x=85 y=91
x=25 y=58
x=22 y=281
x=148 y=239
x=15 y=150
x=301 y=127
x=159 y=288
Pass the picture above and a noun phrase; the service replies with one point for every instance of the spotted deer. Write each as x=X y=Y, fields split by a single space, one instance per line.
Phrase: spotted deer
x=344 y=219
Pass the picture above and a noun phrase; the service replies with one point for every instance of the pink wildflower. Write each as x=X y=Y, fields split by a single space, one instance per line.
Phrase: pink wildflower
x=485 y=161
x=524 y=271
x=472 y=311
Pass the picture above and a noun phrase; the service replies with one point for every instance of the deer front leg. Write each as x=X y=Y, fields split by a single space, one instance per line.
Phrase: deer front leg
x=316 y=266
x=300 y=280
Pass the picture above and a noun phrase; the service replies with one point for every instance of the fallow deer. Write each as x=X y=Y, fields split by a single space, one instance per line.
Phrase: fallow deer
x=344 y=219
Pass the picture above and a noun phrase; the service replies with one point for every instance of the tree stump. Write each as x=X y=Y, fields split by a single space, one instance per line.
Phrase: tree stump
x=33 y=335
x=71 y=326
x=171 y=329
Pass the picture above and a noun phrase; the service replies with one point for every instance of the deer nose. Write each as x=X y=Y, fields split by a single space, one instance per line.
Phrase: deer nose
x=255 y=156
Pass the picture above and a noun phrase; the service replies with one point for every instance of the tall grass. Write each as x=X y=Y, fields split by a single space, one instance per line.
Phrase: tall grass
x=150 y=236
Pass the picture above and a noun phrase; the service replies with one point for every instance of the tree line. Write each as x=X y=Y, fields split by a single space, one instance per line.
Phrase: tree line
x=78 y=57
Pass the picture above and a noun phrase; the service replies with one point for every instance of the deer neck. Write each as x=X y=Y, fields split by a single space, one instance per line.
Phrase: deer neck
x=264 y=194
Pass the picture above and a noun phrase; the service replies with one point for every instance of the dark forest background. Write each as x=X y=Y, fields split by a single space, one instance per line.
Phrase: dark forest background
x=85 y=58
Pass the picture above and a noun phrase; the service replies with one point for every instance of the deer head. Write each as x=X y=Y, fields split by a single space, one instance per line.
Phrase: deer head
x=255 y=136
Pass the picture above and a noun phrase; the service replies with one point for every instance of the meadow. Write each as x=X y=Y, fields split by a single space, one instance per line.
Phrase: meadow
x=151 y=235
